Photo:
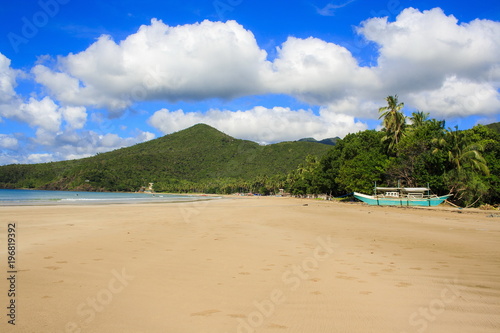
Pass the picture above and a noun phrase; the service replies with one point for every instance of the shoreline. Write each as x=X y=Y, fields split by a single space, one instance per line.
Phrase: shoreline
x=97 y=198
x=245 y=264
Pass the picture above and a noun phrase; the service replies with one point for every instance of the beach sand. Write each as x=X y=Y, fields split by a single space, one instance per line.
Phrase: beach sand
x=252 y=265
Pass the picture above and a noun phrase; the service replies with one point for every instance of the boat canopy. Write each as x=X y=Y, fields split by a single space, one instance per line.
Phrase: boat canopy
x=403 y=189
x=415 y=189
x=388 y=188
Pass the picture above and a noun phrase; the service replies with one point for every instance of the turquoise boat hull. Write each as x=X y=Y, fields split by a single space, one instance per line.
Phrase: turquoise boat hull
x=378 y=201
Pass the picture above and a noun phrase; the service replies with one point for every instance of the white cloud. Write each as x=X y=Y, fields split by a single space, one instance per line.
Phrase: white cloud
x=75 y=117
x=189 y=62
x=7 y=80
x=458 y=97
x=44 y=113
x=430 y=59
x=39 y=158
x=261 y=124
x=353 y=105
x=421 y=49
x=69 y=145
x=318 y=72
x=330 y=8
x=8 y=142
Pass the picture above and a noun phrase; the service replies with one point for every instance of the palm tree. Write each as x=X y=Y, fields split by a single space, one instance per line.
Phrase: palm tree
x=461 y=154
x=419 y=118
x=394 y=120
x=467 y=164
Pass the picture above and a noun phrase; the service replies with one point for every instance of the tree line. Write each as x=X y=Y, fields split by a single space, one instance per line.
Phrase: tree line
x=412 y=151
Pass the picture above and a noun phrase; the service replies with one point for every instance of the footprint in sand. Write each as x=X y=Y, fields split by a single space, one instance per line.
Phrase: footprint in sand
x=272 y=325
x=61 y=262
x=365 y=292
x=236 y=315
x=316 y=292
x=47 y=297
x=314 y=279
x=49 y=257
x=244 y=273
x=403 y=284
x=205 y=313
x=53 y=267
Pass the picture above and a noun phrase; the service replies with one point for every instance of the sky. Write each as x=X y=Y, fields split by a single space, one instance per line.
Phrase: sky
x=79 y=78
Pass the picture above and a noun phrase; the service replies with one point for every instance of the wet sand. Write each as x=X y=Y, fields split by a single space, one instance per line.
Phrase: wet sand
x=251 y=265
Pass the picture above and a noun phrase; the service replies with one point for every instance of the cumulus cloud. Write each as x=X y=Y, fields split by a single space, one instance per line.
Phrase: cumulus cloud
x=71 y=145
x=189 y=62
x=420 y=50
x=75 y=116
x=39 y=158
x=8 y=142
x=458 y=97
x=68 y=145
x=7 y=80
x=431 y=60
x=262 y=124
x=318 y=72
x=44 y=113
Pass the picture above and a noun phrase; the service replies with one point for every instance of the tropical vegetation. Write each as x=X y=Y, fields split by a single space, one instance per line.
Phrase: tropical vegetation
x=410 y=151
x=198 y=159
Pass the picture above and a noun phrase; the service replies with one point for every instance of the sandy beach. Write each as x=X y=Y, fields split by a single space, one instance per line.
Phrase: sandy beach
x=251 y=265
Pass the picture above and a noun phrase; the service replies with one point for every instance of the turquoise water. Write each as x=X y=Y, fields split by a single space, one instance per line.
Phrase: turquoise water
x=36 y=197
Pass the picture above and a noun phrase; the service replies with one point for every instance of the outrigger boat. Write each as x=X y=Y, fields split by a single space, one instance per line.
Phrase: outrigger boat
x=402 y=196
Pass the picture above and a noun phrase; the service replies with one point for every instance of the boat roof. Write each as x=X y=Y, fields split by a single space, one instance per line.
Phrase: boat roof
x=388 y=188
x=403 y=189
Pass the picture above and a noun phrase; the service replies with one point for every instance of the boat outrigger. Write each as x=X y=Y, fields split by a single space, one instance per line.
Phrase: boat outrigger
x=402 y=196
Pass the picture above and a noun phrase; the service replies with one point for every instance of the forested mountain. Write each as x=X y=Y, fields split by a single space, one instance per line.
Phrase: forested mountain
x=494 y=126
x=329 y=141
x=414 y=151
x=199 y=158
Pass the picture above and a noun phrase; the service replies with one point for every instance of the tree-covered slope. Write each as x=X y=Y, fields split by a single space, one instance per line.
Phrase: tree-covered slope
x=494 y=126
x=197 y=155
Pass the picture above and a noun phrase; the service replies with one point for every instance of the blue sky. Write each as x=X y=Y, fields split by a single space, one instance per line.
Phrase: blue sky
x=82 y=77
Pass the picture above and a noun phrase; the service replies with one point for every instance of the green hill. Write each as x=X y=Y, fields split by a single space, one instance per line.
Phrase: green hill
x=494 y=126
x=199 y=158
x=329 y=141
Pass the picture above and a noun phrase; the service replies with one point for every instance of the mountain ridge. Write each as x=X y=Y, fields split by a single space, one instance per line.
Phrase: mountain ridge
x=199 y=154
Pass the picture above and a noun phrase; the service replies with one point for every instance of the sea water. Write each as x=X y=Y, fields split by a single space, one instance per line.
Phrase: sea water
x=38 y=197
